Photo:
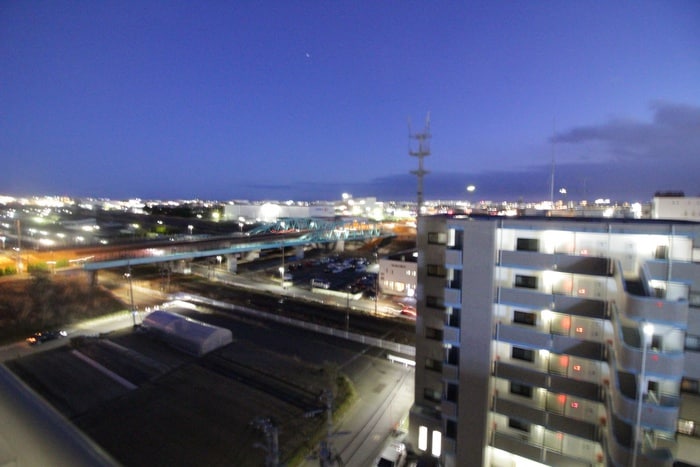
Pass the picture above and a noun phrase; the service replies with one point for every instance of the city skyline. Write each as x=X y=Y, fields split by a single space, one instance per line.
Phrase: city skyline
x=307 y=100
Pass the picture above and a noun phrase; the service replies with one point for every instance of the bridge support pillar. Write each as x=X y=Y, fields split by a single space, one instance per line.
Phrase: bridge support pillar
x=93 y=278
x=232 y=263
x=299 y=252
x=339 y=245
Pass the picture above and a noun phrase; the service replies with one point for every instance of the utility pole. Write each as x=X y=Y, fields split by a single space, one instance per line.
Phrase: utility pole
x=271 y=446
x=422 y=151
x=325 y=453
x=19 y=248
x=131 y=293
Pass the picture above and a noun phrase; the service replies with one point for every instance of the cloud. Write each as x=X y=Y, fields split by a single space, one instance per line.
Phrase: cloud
x=672 y=135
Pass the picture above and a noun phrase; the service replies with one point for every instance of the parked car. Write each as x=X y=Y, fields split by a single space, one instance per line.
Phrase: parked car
x=393 y=455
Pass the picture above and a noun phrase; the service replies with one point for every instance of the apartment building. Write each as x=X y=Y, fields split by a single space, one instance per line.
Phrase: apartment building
x=557 y=341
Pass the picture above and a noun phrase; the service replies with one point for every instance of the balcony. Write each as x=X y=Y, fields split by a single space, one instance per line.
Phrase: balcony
x=658 y=412
x=556 y=262
x=577 y=388
x=577 y=347
x=619 y=442
x=514 y=334
x=578 y=306
x=518 y=373
x=654 y=309
x=521 y=446
x=629 y=355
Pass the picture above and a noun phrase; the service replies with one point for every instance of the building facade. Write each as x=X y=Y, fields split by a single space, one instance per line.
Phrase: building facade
x=398 y=274
x=677 y=207
x=556 y=341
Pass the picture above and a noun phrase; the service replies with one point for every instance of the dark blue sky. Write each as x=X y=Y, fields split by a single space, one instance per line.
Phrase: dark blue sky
x=308 y=99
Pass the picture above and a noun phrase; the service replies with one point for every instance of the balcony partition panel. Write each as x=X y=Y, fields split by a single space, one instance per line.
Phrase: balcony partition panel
x=453 y=258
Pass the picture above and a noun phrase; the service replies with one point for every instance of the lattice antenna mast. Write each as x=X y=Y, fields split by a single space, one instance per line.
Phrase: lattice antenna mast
x=422 y=151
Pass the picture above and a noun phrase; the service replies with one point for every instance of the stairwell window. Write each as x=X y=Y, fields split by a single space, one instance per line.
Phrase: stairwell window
x=434 y=334
x=437 y=238
x=435 y=302
x=436 y=270
x=433 y=364
x=432 y=395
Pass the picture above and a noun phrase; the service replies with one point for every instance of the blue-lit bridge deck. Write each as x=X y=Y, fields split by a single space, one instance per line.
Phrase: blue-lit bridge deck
x=281 y=234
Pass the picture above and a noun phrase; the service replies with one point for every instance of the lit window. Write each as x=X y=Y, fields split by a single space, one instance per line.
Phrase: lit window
x=423 y=438
x=437 y=444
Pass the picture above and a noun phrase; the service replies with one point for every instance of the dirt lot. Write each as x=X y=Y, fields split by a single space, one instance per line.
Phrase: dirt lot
x=184 y=410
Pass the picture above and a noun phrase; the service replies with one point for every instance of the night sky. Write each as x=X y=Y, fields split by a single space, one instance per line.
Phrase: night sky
x=306 y=100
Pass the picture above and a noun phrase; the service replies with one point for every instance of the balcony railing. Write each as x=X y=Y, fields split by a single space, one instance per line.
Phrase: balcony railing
x=629 y=357
x=569 y=264
x=654 y=309
x=658 y=412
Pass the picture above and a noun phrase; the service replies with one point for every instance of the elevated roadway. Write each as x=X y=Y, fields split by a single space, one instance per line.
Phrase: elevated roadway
x=282 y=234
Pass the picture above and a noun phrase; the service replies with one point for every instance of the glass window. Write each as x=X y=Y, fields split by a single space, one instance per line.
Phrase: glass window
x=523 y=354
x=518 y=425
x=520 y=389
x=437 y=238
x=528 y=244
x=524 y=317
x=529 y=282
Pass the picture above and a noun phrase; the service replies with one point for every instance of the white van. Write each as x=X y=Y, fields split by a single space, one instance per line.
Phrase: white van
x=393 y=455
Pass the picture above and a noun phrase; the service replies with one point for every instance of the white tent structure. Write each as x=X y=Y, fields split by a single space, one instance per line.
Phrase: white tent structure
x=188 y=335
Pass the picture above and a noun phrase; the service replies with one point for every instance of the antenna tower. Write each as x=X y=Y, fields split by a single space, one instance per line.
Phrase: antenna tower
x=423 y=150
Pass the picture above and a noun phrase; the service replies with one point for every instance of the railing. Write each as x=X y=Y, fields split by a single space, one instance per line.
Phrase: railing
x=353 y=336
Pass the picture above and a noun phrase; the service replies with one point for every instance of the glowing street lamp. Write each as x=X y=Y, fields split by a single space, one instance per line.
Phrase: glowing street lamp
x=470 y=189
x=189 y=228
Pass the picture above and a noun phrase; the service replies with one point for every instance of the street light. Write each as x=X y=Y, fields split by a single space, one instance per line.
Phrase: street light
x=190 y=227
x=470 y=189
x=647 y=333
x=131 y=294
